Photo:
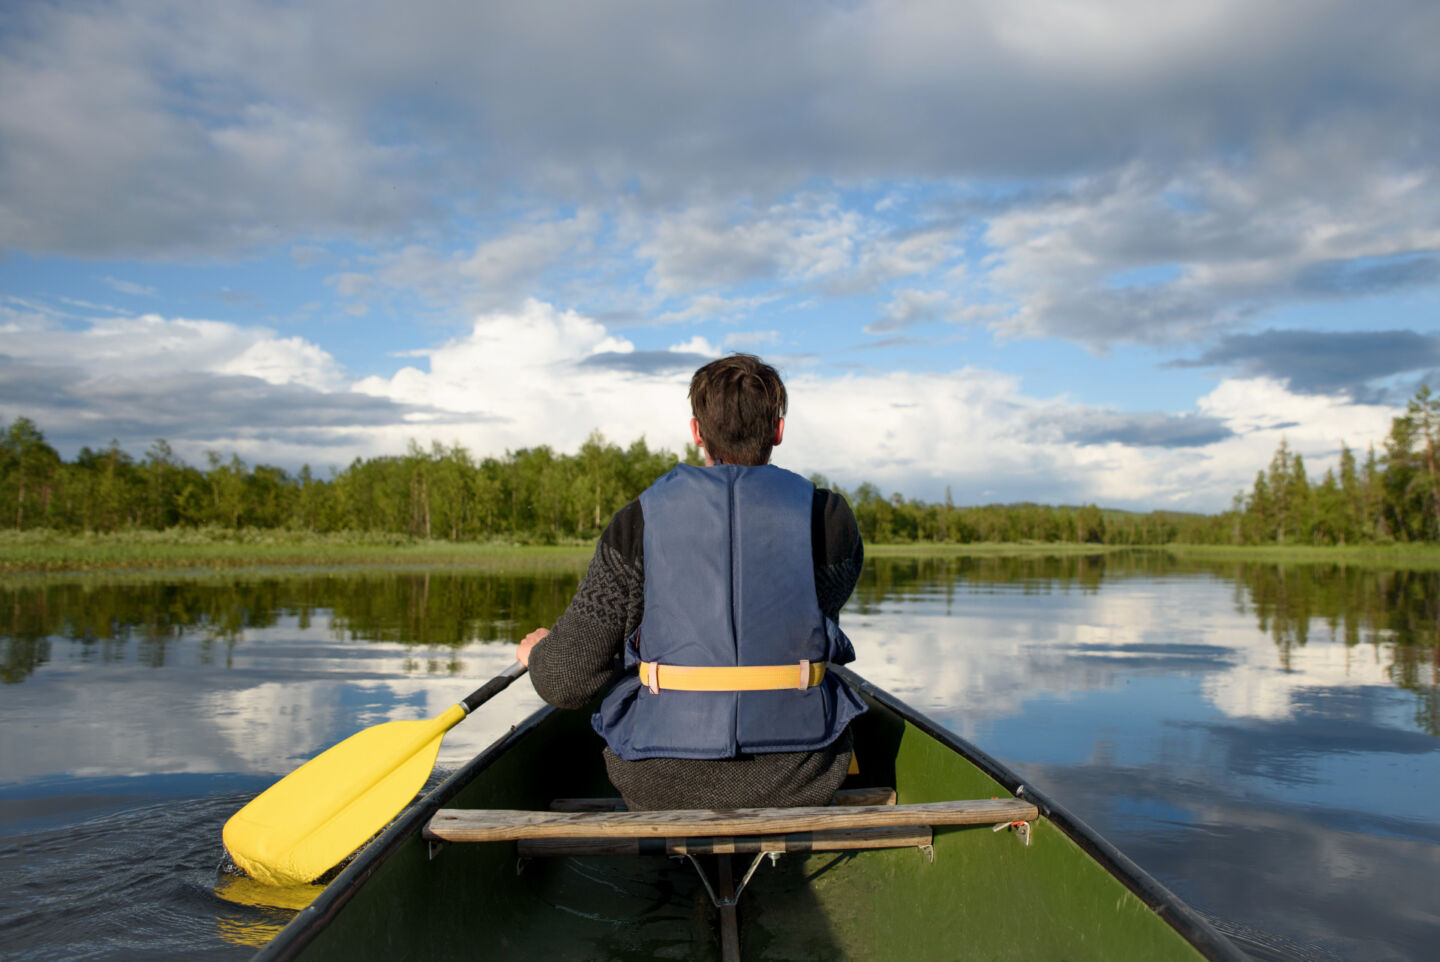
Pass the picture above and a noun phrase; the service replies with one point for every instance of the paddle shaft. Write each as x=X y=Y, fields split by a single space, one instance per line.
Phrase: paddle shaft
x=492 y=687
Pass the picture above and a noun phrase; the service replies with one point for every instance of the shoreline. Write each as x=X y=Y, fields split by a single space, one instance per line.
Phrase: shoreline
x=1406 y=556
x=202 y=551
x=33 y=553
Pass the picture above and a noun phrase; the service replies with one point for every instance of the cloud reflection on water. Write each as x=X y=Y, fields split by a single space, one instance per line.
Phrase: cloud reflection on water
x=978 y=651
x=285 y=693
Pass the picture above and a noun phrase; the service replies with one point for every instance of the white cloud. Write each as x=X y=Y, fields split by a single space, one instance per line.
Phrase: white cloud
x=696 y=345
x=750 y=340
x=158 y=120
x=154 y=346
x=886 y=254
x=532 y=376
x=810 y=241
x=527 y=250
x=309 y=255
x=351 y=284
x=704 y=246
x=205 y=128
x=1263 y=412
x=974 y=430
x=287 y=360
x=715 y=307
x=540 y=375
x=1122 y=35
x=520 y=376
x=524 y=373
x=129 y=287
x=29 y=314
x=92 y=308
x=200 y=384
x=908 y=308
x=499 y=270
x=1162 y=255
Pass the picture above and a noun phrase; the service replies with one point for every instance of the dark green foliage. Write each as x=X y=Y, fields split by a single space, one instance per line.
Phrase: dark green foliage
x=1395 y=497
x=536 y=495
x=443 y=493
x=427 y=611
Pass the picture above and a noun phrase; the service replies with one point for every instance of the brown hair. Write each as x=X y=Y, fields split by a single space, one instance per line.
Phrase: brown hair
x=738 y=401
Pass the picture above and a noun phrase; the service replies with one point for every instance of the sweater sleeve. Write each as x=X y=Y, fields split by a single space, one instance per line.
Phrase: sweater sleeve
x=838 y=551
x=582 y=654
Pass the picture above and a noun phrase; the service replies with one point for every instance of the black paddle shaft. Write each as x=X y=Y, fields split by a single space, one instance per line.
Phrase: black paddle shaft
x=492 y=687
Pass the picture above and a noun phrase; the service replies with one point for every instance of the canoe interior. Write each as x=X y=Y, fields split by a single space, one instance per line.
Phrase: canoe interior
x=986 y=895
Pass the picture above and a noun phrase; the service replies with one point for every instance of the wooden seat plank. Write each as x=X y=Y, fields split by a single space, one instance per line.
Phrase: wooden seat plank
x=494 y=825
x=836 y=840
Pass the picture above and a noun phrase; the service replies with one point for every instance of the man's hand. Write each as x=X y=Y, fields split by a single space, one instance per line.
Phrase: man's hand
x=528 y=643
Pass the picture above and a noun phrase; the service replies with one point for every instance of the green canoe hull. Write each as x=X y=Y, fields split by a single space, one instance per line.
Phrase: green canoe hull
x=986 y=895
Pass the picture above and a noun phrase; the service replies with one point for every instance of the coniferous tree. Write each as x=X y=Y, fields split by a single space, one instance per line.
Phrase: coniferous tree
x=1352 y=526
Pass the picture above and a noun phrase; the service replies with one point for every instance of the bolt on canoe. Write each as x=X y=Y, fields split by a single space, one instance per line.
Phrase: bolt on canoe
x=933 y=850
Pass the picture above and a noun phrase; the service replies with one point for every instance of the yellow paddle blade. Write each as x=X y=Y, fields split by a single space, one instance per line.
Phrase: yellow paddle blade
x=325 y=809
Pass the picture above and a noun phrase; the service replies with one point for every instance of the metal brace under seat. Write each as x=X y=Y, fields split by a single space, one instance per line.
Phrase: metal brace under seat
x=721 y=903
x=434 y=846
x=927 y=850
x=1022 y=829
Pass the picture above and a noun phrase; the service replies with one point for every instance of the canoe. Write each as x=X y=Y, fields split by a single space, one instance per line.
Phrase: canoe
x=1029 y=883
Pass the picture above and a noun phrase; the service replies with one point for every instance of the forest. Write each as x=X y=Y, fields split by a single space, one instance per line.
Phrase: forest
x=537 y=495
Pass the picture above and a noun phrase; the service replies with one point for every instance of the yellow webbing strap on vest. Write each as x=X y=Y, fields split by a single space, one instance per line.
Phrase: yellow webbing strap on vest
x=800 y=675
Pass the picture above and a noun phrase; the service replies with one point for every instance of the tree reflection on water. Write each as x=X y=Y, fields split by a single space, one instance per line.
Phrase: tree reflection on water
x=137 y=620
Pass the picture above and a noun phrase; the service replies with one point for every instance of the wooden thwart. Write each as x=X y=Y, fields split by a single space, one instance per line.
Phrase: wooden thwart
x=495 y=825
x=835 y=840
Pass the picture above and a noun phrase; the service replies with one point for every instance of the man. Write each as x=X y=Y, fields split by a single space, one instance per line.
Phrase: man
x=712 y=598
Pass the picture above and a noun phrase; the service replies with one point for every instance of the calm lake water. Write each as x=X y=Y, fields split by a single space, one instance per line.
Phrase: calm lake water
x=1265 y=740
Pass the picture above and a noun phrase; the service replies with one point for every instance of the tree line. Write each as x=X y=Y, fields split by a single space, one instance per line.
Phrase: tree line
x=1391 y=496
x=441 y=492
x=540 y=495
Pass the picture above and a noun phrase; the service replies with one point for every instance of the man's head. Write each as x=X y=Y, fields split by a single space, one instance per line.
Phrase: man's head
x=739 y=407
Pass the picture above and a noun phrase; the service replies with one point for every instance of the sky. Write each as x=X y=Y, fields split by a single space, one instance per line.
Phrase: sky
x=1110 y=252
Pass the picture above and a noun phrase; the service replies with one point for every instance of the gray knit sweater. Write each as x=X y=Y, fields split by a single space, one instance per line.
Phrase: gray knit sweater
x=582 y=658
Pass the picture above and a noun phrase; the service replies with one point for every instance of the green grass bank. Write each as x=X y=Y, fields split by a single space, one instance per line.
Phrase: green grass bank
x=1399 y=556
x=42 y=552
x=928 y=549
x=35 y=552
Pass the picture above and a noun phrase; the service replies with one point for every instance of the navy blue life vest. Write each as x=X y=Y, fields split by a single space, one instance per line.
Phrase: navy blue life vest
x=729 y=580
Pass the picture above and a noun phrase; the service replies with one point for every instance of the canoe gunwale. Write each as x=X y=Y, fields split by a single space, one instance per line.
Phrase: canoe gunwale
x=1191 y=925
x=312 y=919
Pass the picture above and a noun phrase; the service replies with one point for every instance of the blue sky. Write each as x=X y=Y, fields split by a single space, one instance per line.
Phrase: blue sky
x=1107 y=252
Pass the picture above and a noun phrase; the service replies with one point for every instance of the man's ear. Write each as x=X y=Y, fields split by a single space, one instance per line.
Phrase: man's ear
x=779 y=431
x=695 y=432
